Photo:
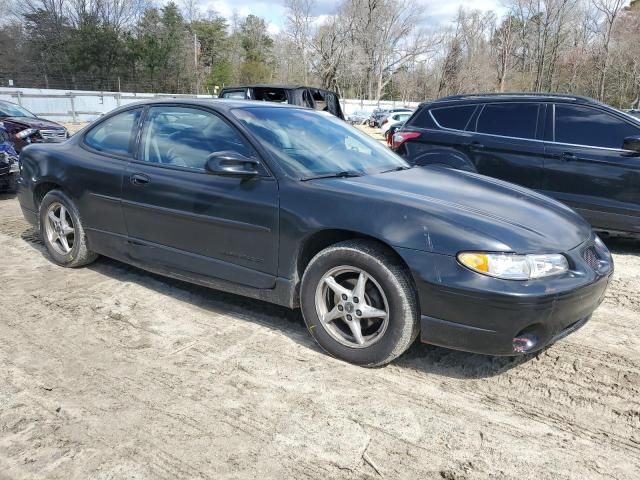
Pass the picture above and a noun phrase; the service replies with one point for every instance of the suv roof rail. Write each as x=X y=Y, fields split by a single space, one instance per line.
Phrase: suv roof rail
x=478 y=96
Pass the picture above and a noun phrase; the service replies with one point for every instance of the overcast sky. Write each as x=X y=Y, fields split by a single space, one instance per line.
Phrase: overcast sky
x=436 y=12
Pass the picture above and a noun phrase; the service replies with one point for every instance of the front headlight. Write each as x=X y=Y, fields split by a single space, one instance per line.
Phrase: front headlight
x=514 y=267
x=26 y=133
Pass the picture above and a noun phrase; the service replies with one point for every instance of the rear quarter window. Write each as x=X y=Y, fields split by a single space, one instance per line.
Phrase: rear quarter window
x=115 y=135
x=455 y=118
x=236 y=94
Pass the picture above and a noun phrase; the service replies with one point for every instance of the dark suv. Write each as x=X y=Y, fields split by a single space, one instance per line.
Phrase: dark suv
x=575 y=149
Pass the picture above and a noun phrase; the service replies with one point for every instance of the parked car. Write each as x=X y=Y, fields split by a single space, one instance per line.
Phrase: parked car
x=388 y=136
x=312 y=97
x=394 y=119
x=376 y=115
x=18 y=120
x=9 y=163
x=634 y=112
x=9 y=160
x=298 y=208
x=379 y=116
x=359 y=117
x=575 y=149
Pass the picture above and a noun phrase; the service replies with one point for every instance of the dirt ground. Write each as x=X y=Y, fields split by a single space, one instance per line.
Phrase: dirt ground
x=109 y=372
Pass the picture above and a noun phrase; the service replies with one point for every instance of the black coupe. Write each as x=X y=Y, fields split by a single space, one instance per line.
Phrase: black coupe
x=296 y=207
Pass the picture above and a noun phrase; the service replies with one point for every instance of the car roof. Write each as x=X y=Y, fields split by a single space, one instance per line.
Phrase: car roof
x=506 y=97
x=220 y=104
x=267 y=85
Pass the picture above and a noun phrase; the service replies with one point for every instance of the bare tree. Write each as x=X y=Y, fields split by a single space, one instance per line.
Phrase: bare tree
x=387 y=36
x=504 y=39
x=299 y=28
x=609 y=11
x=192 y=11
x=330 y=47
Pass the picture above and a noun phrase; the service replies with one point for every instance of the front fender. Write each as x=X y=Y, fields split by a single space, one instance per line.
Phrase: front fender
x=416 y=225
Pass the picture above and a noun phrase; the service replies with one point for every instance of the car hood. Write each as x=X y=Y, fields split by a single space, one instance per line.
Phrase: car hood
x=447 y=211
x=32 y=122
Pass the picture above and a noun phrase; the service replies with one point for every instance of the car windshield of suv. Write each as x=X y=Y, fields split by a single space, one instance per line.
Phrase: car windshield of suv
x=312 y=144
x=12 y=110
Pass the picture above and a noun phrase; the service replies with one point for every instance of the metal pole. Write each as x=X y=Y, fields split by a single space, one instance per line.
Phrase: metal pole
x=195 y=61
x=73 y=108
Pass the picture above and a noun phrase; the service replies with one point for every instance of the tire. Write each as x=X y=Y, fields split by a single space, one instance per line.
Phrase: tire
x=78 y=253
x=12 y=183
x=388 y=287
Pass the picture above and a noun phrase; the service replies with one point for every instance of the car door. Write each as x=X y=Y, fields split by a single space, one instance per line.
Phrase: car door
x=586 y=167
x=182 y=218
x=506 y=142
x=107 y=147
x=440 y=136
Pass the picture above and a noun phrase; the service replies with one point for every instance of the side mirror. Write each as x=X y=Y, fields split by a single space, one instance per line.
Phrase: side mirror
x=231 y=164
x=632 y=144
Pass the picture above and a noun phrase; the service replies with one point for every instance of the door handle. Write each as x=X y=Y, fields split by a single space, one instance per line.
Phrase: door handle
x=568 y=157
x=475 y=146
x=139 y=179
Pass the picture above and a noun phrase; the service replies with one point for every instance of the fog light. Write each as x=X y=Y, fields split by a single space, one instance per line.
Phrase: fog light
x=525 y=342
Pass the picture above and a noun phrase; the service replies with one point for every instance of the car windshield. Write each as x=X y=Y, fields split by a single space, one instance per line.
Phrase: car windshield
x=13 y=110
x=311 y=144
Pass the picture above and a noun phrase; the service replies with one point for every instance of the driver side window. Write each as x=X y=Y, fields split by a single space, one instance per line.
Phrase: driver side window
x=185 y=137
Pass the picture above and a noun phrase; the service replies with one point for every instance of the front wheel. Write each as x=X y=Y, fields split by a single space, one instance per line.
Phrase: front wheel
x=359 y=303
x=62 y=231
x=12 y=183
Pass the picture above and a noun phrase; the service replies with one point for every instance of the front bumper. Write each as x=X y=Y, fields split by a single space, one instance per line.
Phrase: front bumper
x=464 y=310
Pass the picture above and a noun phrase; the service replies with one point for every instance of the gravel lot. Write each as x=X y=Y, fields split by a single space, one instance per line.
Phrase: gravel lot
x=109 y=372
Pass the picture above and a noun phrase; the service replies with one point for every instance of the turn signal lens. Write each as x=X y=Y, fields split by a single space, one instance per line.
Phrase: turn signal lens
x=475 y=261
x=514 y=267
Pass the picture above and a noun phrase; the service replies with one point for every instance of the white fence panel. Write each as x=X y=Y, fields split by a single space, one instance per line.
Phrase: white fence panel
x=79 y=106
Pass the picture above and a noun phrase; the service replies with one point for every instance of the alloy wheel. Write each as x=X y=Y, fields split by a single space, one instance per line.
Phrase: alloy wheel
x=59 y=228
x=352 y=307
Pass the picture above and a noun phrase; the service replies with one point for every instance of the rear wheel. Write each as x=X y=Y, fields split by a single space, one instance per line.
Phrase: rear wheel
x=359 y=303
x=62 y=231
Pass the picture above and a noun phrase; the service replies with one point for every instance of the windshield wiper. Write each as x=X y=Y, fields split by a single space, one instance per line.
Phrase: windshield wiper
x=398 y=169
x=345 y=174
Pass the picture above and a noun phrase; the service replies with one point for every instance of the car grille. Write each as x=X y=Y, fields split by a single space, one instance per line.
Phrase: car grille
x=54 y=135
x=590 y=255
